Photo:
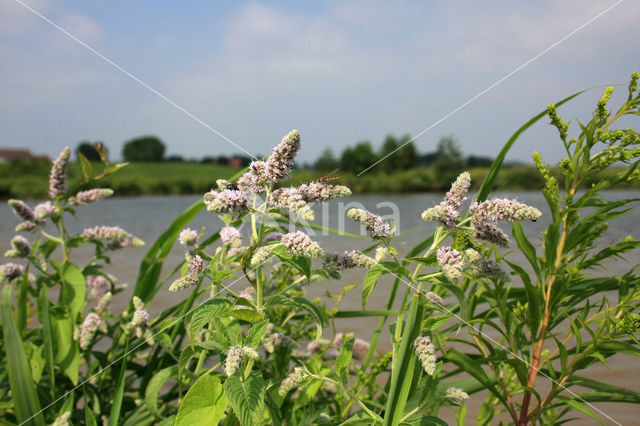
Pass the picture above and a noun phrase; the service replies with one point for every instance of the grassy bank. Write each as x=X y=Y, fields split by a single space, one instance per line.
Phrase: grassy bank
x=29 y=180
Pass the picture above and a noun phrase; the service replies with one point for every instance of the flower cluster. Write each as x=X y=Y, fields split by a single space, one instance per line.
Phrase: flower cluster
x=88 y=329
x=374 y=224
x=114 y=237
x=485 y=215
x=188 y=237
x=319 y=191
x=292 y=199
x=300 y=243
x=90 y=196
x=447 y=212
x=196 y=269
x=230 y=236
x=279 y=163
x=11 y=271
x=103 y=303
x=351 y=259
x=32 y=219
x=20 y=247
x=456 y=395
x=58 y=176
x=292 y=381
x=226 y=201
x=234 y=357
x=450 y=261
x=139 y=320
x=434 y=298
x=426 y=354
x=99 y=286
x=261 y=255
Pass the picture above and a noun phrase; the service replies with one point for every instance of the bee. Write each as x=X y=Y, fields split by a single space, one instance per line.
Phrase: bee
x=327 y=178
x=233 y=186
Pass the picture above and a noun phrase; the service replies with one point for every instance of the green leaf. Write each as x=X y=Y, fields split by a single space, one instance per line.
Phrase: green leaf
x=151 y=265
x=551 y=244
x=154 y=386
x=300 y=263
x=374 y=274
x=206 y=313
x=75 y=288
x=89 y=417
x=66 y=353
x=525 y=246
x=403 y=366
x=344 y=359
x=204 y=404
x=87 y=168
x=247 y=398
x=489 y=180
x=256 y=333
x=47 y=334
x=23 y=391
x=248 y=315
x=474 y=369
x=118 y=395
x=580 y=406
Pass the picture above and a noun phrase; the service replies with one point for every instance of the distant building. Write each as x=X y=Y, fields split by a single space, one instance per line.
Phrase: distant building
x=235 y=162
x=19 y=154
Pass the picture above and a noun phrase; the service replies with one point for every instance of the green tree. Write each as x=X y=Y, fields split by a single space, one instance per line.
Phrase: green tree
x=327 y=161
x=398 y=154
x=144 y=148
x=87 y=149
x=358 y=158
x=449 y=161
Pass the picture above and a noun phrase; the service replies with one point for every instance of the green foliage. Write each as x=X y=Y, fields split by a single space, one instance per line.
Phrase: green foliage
x=89 y=151
x=467 y=316
x=358 y=158
x=144 y=149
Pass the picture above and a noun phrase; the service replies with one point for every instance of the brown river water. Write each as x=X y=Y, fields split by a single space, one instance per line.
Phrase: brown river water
x=148 y=217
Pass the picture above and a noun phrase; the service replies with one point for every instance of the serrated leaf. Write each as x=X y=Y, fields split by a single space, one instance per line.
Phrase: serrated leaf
x=248 y=315
x=247 y=398
x=344 y=358
x=256 y=333
x=206 y=313
x=369 y=283
x=154 y=386
x=204 y=404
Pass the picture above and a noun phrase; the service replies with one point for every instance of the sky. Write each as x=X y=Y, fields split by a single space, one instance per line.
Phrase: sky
x=338 y=71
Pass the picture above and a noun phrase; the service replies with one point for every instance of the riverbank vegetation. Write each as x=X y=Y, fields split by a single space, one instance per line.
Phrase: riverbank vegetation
x=243 y=344
x=27 y=180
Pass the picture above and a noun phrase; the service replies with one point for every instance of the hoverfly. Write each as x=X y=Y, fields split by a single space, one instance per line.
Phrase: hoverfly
x=327 y=178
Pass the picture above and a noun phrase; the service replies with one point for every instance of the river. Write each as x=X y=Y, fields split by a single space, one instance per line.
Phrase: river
x=148 y=217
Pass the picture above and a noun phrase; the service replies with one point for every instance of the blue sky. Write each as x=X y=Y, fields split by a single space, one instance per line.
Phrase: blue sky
x=339 y=72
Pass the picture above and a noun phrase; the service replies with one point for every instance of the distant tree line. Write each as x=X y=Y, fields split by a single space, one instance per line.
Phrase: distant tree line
x=395 y=153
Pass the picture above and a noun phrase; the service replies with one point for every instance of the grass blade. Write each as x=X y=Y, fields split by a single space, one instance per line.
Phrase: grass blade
x=23 y=391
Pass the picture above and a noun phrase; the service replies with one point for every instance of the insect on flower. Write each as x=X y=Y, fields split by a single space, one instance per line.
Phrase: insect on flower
x=327 y=178
x=233 y=186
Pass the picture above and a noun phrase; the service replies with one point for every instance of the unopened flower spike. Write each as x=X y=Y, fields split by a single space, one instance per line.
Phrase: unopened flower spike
x=58 y=176
x=90 y=196
x=292 y=381
x=114 y=237
x=22 y=210
x=426 y=354
x=456 y=395
x=10 y=271
x=88 y=329
x=20 y=247
x=373 y=223
x=196 y=269
x=234 y=358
